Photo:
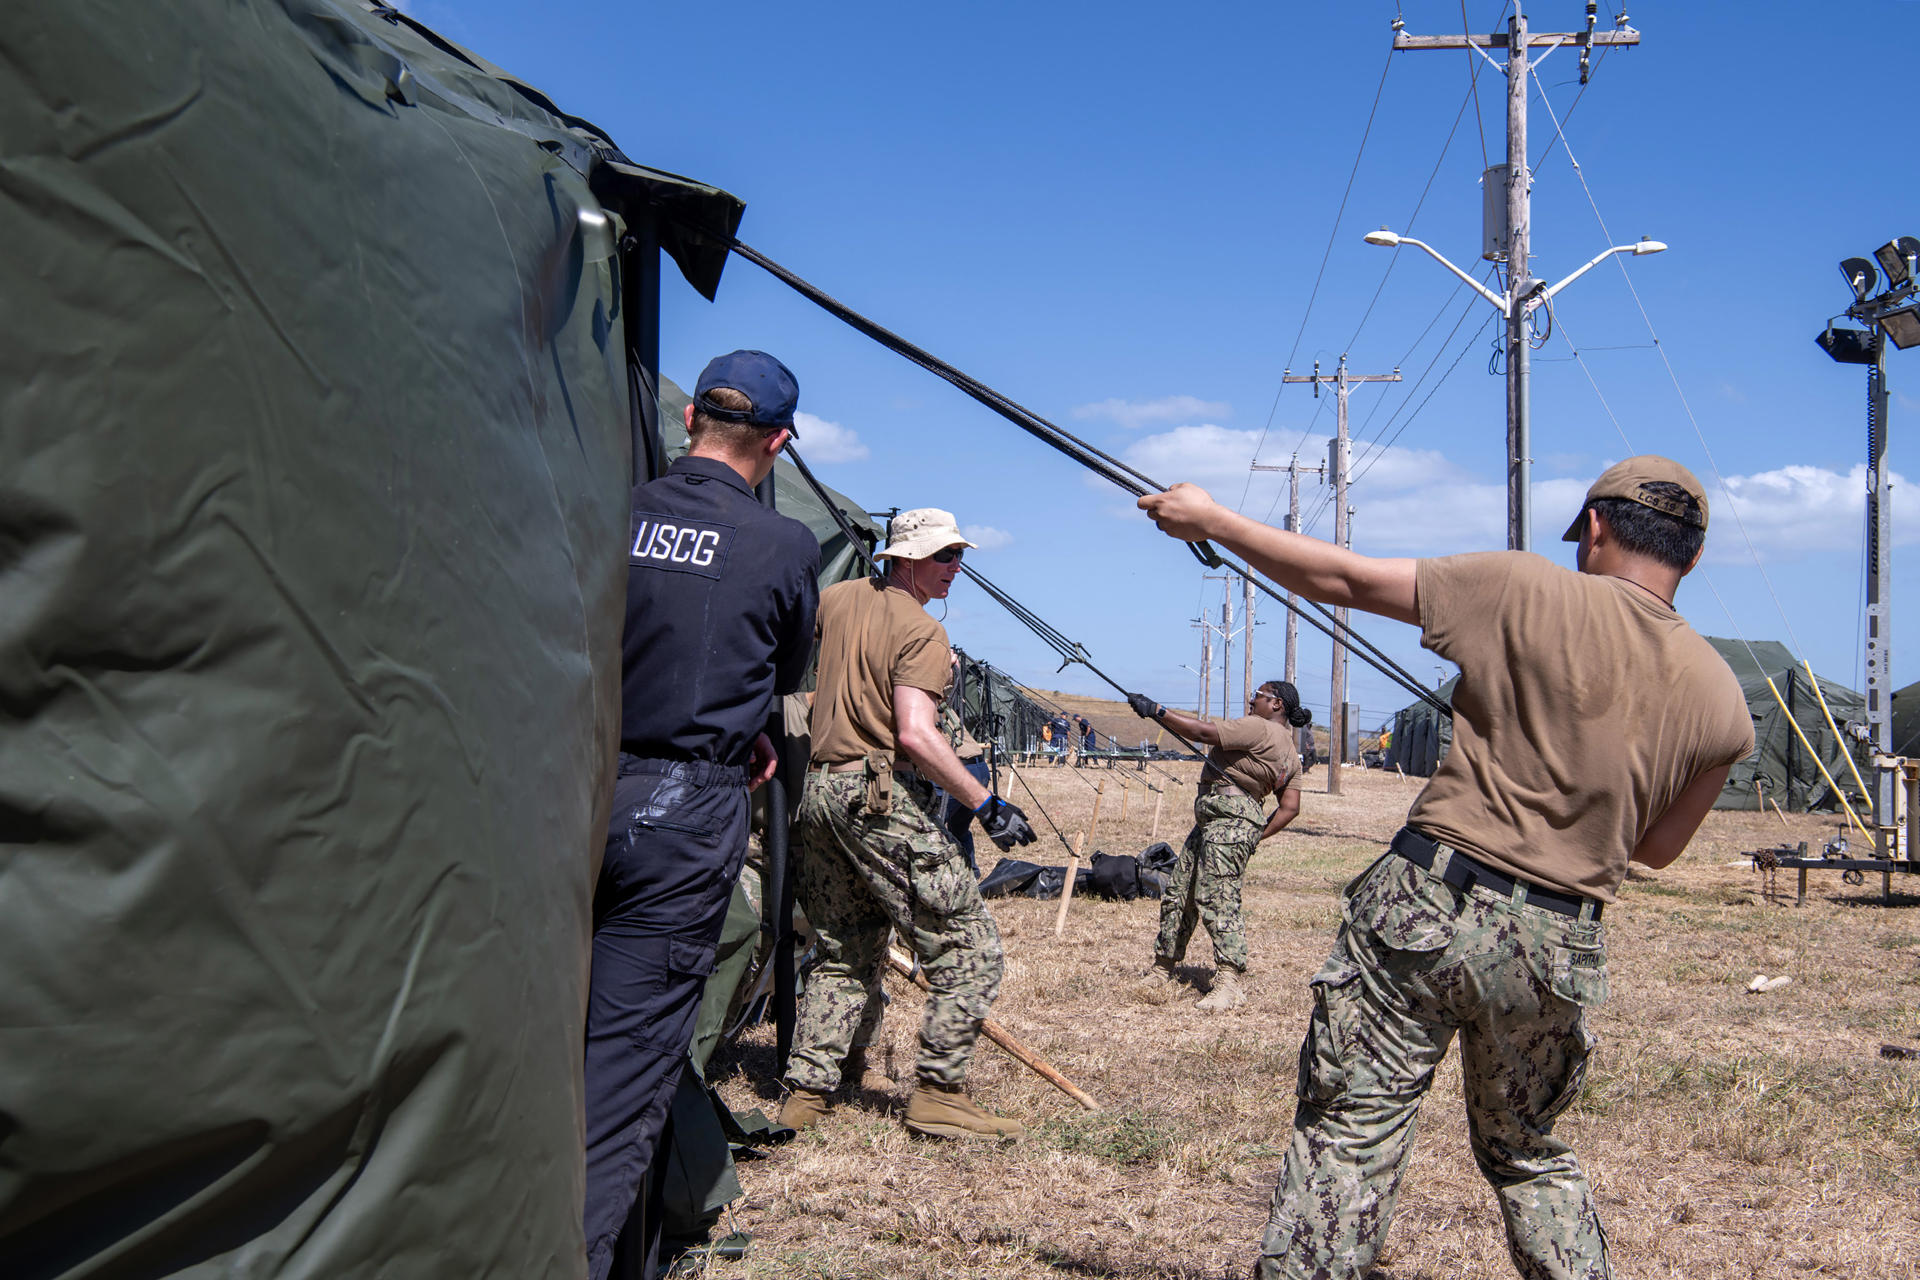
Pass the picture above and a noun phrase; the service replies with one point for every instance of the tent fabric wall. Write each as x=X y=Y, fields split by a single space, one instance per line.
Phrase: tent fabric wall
x=313 y=499
x=1906 y=721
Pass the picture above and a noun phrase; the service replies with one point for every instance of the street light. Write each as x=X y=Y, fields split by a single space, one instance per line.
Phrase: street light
x=1522 y=296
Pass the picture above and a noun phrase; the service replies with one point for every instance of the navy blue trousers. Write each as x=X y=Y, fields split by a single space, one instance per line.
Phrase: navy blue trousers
x=675 y=844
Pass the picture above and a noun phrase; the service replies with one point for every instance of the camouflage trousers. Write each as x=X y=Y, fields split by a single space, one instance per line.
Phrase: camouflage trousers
x=1416 y=962
x=856 y=875
x=1205 y=885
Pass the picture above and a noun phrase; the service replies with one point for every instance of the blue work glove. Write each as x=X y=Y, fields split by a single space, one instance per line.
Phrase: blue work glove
x=1004 y=824
x=1144 y=707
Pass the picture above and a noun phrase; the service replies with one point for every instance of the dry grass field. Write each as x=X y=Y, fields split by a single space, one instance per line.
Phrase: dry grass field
x=1727 y=1134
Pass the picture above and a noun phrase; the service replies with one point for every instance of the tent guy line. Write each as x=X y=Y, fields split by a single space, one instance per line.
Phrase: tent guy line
x=1101 y=463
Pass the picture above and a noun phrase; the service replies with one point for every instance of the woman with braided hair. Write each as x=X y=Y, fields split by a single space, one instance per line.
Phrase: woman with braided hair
x=1252 y=758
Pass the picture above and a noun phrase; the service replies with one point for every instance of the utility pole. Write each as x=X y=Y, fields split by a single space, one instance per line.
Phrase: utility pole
x=1226 y=655
x=1206 y=663
x=1294 y=471
x=1246 y=647
x=1339 y=457
x=1513 y=244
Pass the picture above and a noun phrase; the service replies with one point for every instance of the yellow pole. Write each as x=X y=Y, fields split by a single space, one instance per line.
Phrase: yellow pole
x=1815 y=757
x=1832 y=728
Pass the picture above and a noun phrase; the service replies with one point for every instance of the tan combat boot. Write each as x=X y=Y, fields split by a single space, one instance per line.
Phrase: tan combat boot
x=1225 y=993
x=945 y=1111
x=803 y=1109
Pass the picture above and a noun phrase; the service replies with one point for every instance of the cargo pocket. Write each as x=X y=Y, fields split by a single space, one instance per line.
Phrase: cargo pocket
x=940 y=878
x=1579 y=1054
x=1325 y=1052
x=1580 y=969
x=690 y=957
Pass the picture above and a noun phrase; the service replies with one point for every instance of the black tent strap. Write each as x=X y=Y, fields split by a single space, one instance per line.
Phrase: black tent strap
x=1370 y=653
x=1094 y=459
x=853 y=535
x=1082 y=452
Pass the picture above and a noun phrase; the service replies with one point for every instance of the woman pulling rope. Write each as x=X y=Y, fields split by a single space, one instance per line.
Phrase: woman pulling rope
x=1253 y=757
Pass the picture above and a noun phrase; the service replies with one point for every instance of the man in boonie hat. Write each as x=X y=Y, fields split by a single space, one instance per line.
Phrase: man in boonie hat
x=870 y=850
x=1591 y=727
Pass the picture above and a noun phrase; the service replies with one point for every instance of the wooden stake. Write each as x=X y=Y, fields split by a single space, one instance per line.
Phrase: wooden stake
x=1125 y=795
x=1066 y=889
x=1099 y=793
x=1005 y=1039
x=1158 y=800
x=1776 y=809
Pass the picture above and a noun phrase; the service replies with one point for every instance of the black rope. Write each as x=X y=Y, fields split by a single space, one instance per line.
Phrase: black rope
x=1096 y=460
x=853 y=536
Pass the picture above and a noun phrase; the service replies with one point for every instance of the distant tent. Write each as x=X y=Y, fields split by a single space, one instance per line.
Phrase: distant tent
x=1906 y=721
x=1421 y=735
x=1780 y=764
x=995 y=709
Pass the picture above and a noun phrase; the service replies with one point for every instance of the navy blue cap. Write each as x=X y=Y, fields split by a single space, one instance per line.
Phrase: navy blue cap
x=764 y=381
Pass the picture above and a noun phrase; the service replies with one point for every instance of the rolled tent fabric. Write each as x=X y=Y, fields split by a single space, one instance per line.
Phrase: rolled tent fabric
x=314 y=456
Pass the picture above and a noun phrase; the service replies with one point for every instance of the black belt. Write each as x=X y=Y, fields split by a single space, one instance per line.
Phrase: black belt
x=1465 y=872
x=701 y=773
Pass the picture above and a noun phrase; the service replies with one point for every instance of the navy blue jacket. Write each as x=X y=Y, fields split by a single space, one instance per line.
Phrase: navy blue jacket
x=720 y=601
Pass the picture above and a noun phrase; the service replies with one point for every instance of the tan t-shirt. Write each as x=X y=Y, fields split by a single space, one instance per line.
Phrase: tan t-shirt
x=1585 y=706
x=1256 y=755
x=871 y=637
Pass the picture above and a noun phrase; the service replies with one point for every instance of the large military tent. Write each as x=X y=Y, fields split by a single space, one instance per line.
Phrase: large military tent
x=1781 y=765
x=327 y=353
x=1421 y=735
x=1906 y=721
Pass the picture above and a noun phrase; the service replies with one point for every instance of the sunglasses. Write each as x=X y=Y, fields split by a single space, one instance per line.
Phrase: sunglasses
x=947 y=555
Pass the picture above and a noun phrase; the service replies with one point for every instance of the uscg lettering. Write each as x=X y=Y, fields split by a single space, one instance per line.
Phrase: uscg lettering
x=680 y=545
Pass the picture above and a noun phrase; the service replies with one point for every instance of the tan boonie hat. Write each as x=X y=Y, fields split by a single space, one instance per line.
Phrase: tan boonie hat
x=922 y=531
x=1629 y=480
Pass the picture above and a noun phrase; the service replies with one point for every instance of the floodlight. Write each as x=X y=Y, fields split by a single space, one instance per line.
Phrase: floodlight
x=1848 y=346
x=1644 y=246
x=1896 y=258
x=1382 y=237
x=1902 y=327
x=1861 y=277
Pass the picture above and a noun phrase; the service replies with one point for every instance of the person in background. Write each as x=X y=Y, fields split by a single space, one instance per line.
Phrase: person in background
x=1251 y=758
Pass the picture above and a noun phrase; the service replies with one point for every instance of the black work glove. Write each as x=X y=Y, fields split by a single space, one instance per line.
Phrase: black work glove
x=1004 y=824
x=1144 y=707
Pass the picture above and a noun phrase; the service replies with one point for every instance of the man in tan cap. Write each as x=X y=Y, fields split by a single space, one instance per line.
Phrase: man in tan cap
x=1592 y=727
x=870 y=850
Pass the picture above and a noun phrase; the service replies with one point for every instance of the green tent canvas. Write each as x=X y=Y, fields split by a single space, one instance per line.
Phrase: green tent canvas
x=317 y=373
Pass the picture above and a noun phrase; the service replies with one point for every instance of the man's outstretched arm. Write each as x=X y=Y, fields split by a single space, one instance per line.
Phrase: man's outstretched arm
x=1315 y=569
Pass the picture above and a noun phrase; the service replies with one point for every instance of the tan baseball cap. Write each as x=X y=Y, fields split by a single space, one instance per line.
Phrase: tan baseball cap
x=919 y=533
x=1629 y=480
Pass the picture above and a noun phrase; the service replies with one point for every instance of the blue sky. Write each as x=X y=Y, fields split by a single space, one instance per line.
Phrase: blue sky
x=1116 y=214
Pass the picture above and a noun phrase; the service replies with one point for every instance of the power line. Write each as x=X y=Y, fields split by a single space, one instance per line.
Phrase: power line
x=1325 y=256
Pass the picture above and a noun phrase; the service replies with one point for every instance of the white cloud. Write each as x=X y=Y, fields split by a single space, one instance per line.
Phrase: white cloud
x=1800 y=508
x=1134 y=414
x=823 y=441
x=986 y=537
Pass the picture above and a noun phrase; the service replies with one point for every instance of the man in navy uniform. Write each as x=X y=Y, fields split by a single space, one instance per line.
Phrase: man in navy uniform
x=720 y=602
